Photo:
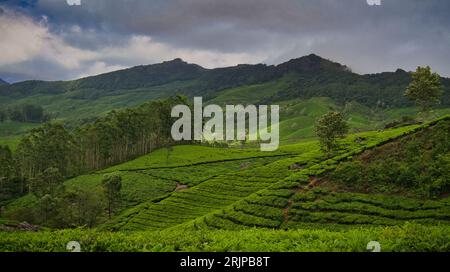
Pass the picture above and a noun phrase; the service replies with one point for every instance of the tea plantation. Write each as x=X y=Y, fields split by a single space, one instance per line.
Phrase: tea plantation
x=200 y=198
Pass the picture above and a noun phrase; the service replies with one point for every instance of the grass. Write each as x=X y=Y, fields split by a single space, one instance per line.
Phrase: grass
x=10 y=141
x=253 y=94
x=136 y=187
x=12 y=128
x=88 y=103
x=10 y=132
x=188 y=155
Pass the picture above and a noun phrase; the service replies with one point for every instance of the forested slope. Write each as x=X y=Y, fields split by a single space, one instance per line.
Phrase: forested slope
x=305 y=77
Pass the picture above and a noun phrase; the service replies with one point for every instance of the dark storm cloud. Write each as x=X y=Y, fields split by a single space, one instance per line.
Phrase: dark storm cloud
x=397 y=34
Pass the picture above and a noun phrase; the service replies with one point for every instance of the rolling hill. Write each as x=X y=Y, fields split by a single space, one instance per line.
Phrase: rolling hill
x=384 y=183
x=302 y=78
x=288 y=200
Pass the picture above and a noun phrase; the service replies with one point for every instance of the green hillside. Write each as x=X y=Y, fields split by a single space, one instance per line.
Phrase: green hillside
x=387 y=180
x=302 y=78
x=12 y=131
x=212 y=194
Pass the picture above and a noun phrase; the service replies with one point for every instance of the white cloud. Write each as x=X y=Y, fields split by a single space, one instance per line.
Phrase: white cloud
x=22 y=38
x=25 y=40
x=143 y=49
x=99 y=67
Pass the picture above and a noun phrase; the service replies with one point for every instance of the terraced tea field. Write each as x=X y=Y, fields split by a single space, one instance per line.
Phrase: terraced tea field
x=268 y=194
x=187 y=190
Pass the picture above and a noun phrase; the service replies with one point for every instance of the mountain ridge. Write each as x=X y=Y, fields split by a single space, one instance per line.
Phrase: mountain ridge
x=301 y=78
x=183 y=71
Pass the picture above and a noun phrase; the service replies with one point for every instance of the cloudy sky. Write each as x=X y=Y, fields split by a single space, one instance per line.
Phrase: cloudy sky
x=52 y=40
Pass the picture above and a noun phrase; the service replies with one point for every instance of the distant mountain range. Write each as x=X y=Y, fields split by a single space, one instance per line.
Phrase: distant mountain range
x=304 y=78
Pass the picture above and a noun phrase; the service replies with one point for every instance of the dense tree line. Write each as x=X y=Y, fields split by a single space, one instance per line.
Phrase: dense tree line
x=60 y=207
x=48 y=155
x=115 y=138
x=24 y=113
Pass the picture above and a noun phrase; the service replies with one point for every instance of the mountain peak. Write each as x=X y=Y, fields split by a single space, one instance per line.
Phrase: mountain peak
x=310 y=63
x=176 y=60
x=177 y=63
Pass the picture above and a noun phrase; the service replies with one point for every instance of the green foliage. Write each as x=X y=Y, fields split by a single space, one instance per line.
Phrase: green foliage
x=6 y=163
x=370 y=209
x=118 y=137
x=81 y=207
x=404 y=238
x=425 y=89
x=301 y=78
x=46 y=183
x=419 y=163
x=240 y=189
x=112 y=184
x=24 y=113
x=45 y=147
x=330 y=127
x=9 y=186
x=10 y=128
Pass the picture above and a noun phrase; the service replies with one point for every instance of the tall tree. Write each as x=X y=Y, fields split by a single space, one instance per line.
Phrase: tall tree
x=6 y=163
x=112 y=184
x=80 y=207
x=329 y=128
x=425 y=89
x=47 y=182
x=47 y=146
x=8 y=174
x=115 y=138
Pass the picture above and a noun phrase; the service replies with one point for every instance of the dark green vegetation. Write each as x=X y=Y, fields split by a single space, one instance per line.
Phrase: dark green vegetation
x=112 y=184
x=302 y=78
x=387 y=179
x=417 y=165
x=51 y=153
x=306 y=88
x=24 y=113
x=212 y=194
x=329 y=128
x=408 y=238
x=425 y=89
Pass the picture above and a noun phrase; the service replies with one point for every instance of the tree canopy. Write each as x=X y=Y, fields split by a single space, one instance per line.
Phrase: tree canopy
x=329 y=128
x=425 y=89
